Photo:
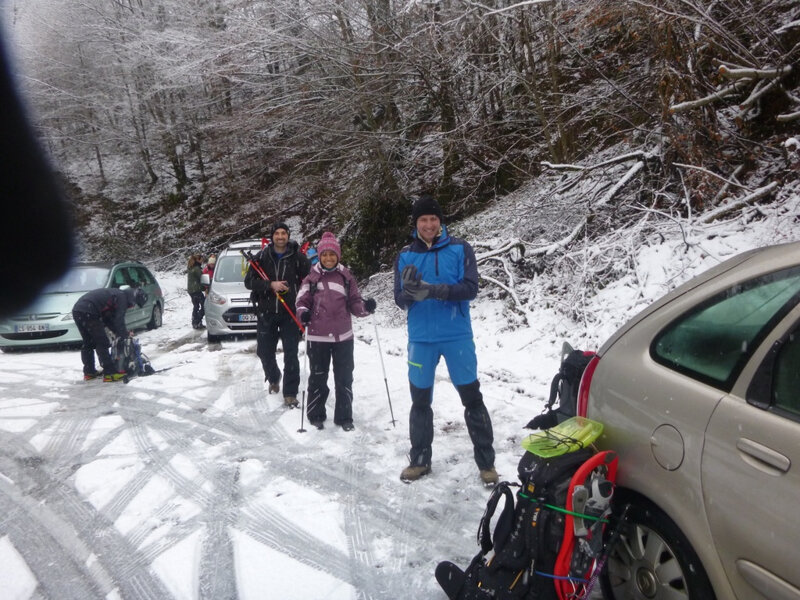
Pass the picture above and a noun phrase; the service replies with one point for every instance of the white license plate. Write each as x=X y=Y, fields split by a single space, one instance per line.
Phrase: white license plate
x=247 y=318
x=33 y=327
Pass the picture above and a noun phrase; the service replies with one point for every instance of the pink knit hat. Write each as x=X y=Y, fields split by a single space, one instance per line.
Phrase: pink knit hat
x=328 y=242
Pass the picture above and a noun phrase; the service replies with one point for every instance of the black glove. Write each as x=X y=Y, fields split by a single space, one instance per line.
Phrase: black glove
x=259 y=286
x=418 y=291
x=370 y=305
x=305 y=316
x=543 y=421
x=409 y=275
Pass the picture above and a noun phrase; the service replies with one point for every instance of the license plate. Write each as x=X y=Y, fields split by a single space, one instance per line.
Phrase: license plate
x=247 y=318
x=32 y=327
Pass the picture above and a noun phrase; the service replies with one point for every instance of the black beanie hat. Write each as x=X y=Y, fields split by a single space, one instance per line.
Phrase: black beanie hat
x=280 y=225
x=426 y=205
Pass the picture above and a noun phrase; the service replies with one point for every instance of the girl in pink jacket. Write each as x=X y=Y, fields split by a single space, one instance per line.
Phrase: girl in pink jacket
x=327 y=298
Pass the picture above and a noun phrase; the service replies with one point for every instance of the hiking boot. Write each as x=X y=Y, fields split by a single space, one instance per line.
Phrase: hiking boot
x=290 y=401
x=110 y=377
x=412 y=472
x=348 y=426
x=274 y=388
x=318 y=424
x=90 y=376
x=489 y=476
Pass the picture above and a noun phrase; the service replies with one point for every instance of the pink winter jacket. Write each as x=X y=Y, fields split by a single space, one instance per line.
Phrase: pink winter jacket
x=331 y=296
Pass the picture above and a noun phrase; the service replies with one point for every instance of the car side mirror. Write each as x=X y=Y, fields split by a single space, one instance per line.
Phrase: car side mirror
x=205 y=279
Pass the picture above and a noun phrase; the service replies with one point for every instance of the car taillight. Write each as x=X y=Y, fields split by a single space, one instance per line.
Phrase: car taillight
x=586 y=382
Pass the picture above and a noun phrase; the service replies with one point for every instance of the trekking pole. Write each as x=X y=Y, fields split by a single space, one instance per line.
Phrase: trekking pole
x=257 y=268
x=601 y=562
x=383 y=368
x=305 y=369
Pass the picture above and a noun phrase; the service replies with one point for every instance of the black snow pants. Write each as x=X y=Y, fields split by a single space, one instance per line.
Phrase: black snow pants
x=93 y=333
x=271 y=328
x=479 y=424
x=319 y=358
x=198 y=312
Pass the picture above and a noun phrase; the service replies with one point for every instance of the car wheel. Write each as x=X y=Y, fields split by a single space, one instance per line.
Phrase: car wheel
x=213 y=339
x=653 y=560
x=156 y=319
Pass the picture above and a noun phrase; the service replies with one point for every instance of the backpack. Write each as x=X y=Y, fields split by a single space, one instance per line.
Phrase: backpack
x=548 y=537
x=564 y=386
x=126 y=352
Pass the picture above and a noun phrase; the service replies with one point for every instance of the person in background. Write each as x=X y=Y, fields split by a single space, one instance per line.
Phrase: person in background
x=327 y=298
x=435 y=277
x=209 y=270
x=194 y=287
x=93 y=312
x=210 y=265
x=286 y=267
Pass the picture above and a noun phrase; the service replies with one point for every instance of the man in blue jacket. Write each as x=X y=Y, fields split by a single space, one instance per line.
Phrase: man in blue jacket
x=435 y=277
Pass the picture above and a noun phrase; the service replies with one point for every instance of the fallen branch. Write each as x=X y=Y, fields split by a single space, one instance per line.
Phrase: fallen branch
x=754 y=73
x=621 y=183
x=725 y=209
x=720 y=177
x=611 y=161
x=787 y=117
x=719 y=95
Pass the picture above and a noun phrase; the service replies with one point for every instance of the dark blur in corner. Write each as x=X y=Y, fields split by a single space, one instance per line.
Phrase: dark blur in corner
x=36 y=244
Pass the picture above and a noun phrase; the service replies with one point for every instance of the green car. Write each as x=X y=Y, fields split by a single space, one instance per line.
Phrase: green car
x=48 y=321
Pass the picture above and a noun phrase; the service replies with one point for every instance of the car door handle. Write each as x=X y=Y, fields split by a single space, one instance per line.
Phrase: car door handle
x=764 y=455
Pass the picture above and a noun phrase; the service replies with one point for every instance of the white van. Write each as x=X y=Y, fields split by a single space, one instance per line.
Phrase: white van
x=229 y=310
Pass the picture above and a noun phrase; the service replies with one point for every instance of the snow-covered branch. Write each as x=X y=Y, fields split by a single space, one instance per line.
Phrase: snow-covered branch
x=639 y=155
x=620 y=184
x=754 y=73
x=730 y=207
x=707 y=172
x=718 y=95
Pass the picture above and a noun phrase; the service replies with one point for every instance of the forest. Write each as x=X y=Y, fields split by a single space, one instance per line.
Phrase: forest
x=179 y=125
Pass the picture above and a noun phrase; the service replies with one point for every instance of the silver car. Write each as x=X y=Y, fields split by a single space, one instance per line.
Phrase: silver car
x=700 y=396
x=48 y=321
x=229 y=310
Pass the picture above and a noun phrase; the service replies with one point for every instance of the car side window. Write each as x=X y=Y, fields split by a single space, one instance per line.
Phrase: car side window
x=143 y=276
x=712 y=342
x=786 y=385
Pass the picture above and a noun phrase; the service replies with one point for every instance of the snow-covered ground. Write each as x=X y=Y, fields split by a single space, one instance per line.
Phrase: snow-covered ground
x=194 y=483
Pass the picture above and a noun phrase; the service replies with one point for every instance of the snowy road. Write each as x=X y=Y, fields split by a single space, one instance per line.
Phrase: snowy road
x=194 y=483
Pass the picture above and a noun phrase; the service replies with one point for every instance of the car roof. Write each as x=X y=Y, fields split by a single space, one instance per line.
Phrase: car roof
x=736 y=269
x=252 y=244
x=107 y=264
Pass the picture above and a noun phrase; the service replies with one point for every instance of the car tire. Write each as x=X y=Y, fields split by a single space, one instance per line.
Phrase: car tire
x=651 y=546
x=156 y=319
x=213 y=339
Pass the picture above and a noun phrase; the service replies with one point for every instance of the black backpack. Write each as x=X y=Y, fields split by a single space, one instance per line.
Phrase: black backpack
x=542 y=541
x=564 y=386
x=126 y=352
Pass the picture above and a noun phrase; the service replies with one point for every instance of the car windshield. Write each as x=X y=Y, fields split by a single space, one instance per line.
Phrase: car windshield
x=79 y=279
x=230 y=269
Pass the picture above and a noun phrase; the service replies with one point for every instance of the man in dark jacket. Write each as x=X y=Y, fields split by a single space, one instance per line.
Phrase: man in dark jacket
x=93 y=312
x=285 y=266
x=435 y=277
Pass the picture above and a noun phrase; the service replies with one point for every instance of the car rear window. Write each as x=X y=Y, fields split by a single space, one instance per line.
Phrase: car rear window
x=713 y=342
x=79 y=279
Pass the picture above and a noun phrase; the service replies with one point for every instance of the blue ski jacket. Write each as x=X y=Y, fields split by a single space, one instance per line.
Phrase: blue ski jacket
x=451 y=261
